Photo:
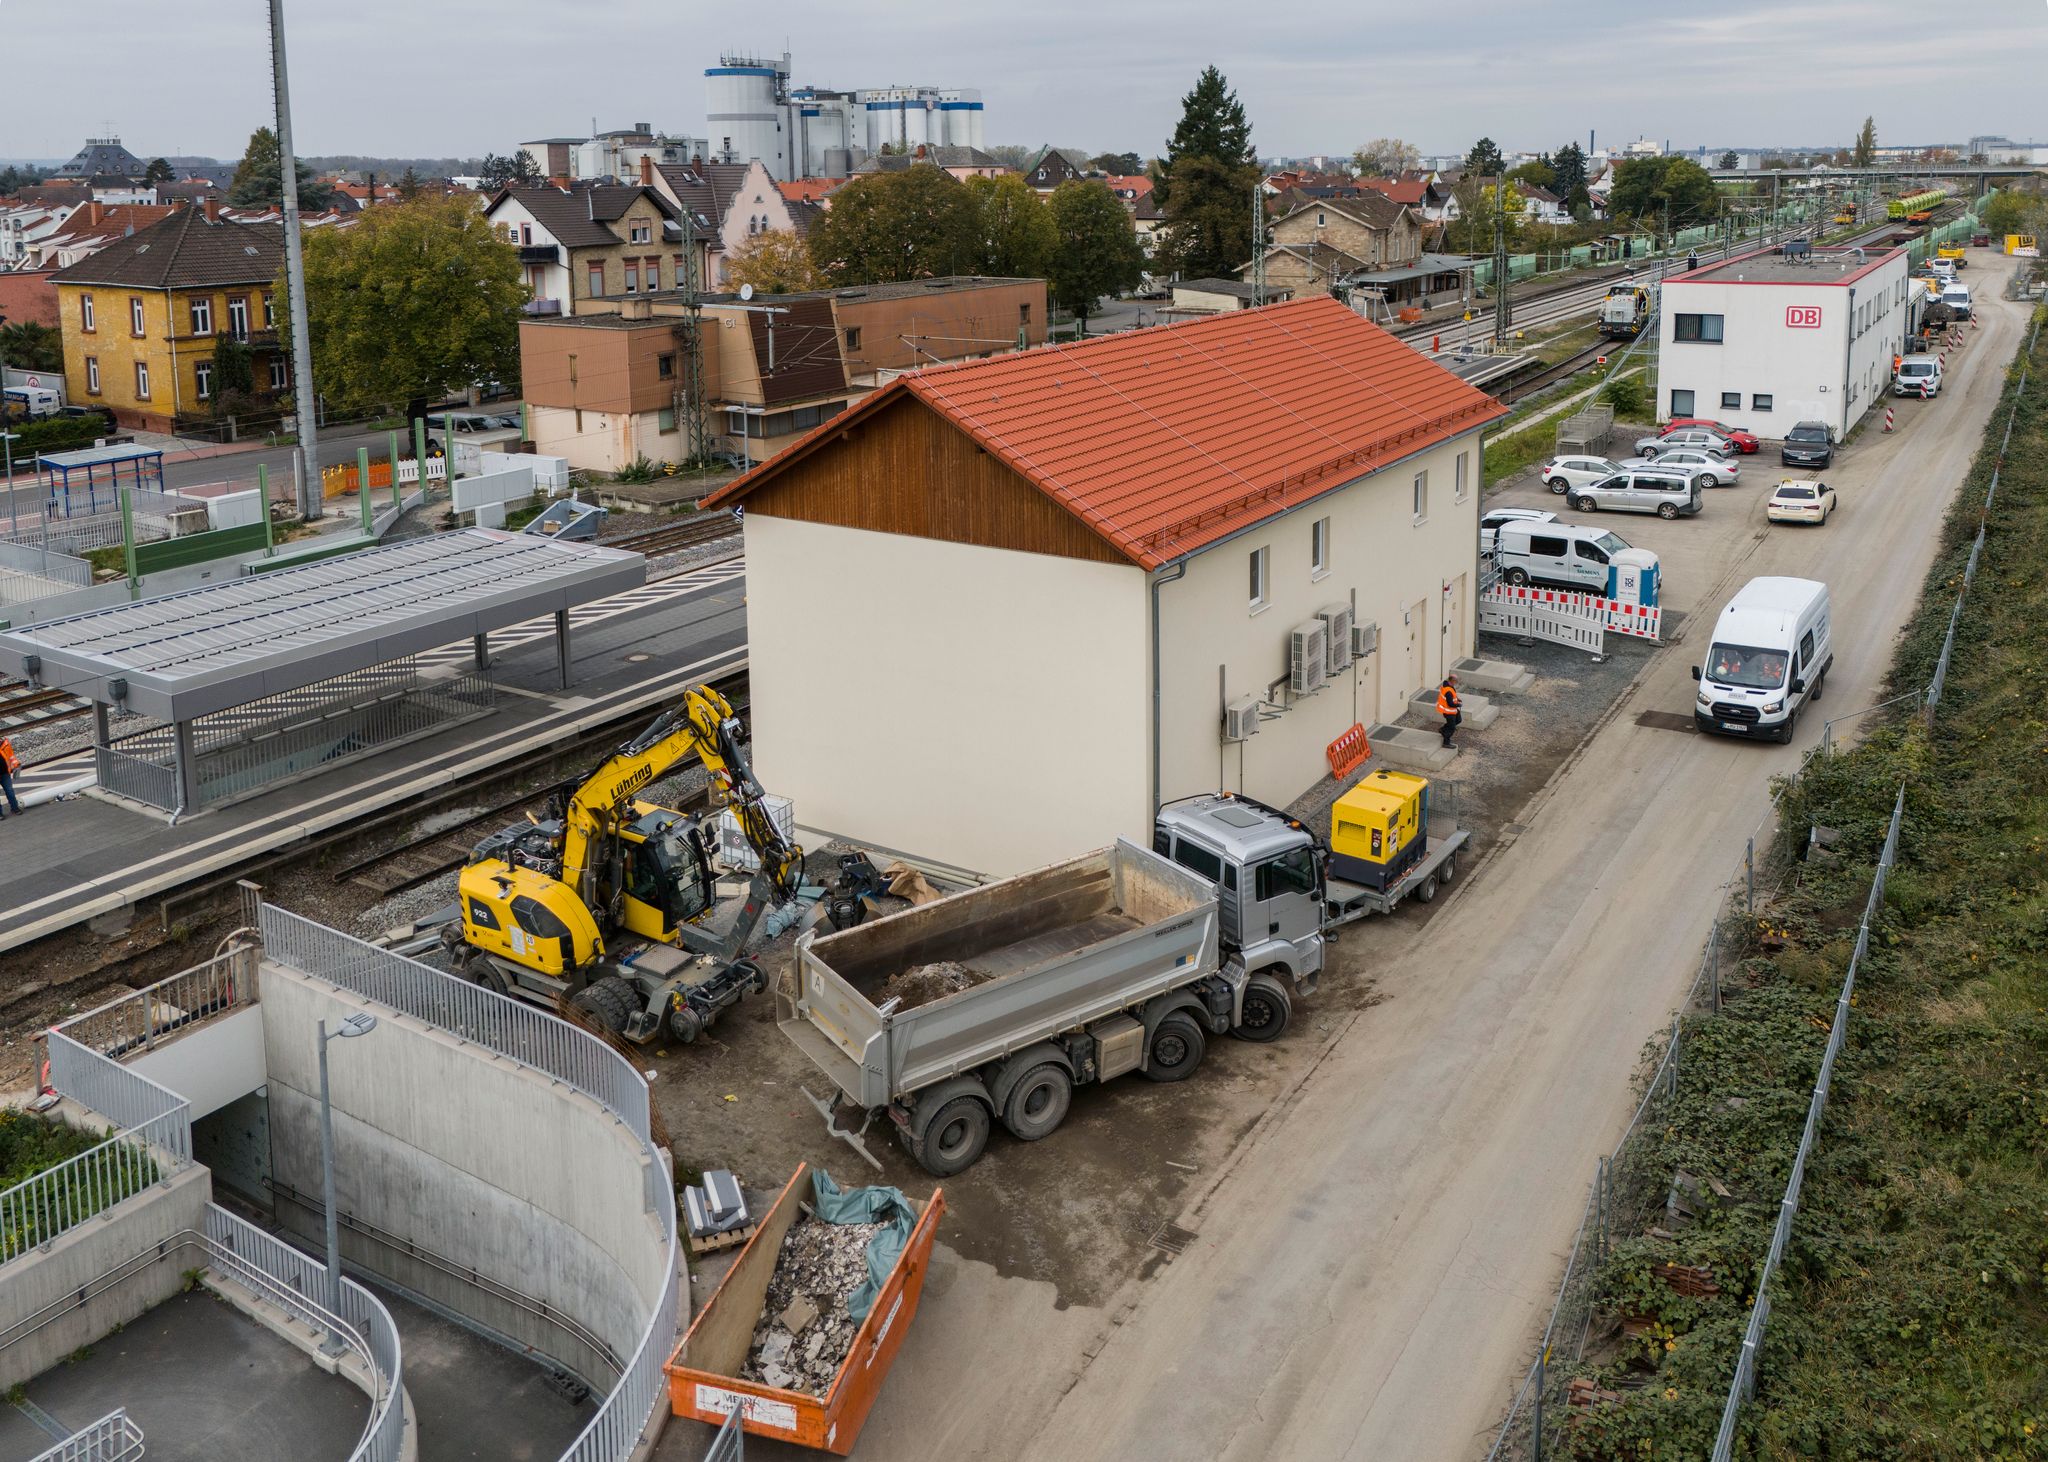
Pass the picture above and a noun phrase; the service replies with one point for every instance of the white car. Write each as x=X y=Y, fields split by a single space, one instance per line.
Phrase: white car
x=1490 y=524
x=1800 y=501
x=1712 y=470
x=1562 y=474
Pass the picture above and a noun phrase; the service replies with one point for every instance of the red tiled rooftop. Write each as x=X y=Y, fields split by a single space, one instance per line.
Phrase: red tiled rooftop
x=1169 y=439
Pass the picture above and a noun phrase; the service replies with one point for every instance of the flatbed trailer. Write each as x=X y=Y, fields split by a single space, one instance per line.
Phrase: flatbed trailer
x=1345 y=902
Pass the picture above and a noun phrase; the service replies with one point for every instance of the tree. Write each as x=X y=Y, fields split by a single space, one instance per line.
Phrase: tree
x=1652 y=187
x=1212 y=125
x=1011 y=154
x=1866 y=144
x=1386 y=157
x=1484 y=159
x=1012 y=234
x=1209 y=222
x=887 y=227
x=1729 y=161
x=774 y=262
x=1118 y=164
x=1570 y=163
x=2007 y=212
x=27 y=346
x=500 y=172
x=158 y=171
x=259 y=181
x=409 y=186
x=1538 y=174
x=1095 y=250
x=15 y=176
x=411 y=302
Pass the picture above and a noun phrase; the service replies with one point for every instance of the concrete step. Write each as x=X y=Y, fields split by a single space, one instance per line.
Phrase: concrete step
x=1409 y=750
x=1480 y=711
x=1494 y=677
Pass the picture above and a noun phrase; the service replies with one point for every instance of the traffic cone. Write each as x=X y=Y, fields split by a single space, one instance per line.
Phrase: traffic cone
x=1887 y=418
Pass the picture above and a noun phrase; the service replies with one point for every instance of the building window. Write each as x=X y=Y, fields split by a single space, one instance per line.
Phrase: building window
x=642 y=233
x=279 y=380
x=651 y=266
x=202 y=380
x=526 y=233
x=853 y=337
x=1462 y=484
x=1259 y=580
x=1760 y=402
x=665 y=366
x=142 y=380
x=1681 y=403
x=202 y=317
x=665 y=418
x=632 y=276
x=676 y=270
x=1024 y=313
x=597 y=276
x=135 y=314
x=238 y=317
x=1421 y=503
x=92 y=374
x=86 y=319
x=1705 y=329
x=1731 y=401
x=269 y=313
x=1320 y=220
x=1319 y=548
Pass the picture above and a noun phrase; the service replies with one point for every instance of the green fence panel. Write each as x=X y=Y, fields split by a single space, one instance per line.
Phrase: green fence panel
x=176 y=553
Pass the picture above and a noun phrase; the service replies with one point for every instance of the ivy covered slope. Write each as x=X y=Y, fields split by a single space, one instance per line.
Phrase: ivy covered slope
x=1911 y=1318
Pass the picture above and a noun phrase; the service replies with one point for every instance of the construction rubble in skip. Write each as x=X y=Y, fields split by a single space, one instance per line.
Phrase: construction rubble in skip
x=805 y=1329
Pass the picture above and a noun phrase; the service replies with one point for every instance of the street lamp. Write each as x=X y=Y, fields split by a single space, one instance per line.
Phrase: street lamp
x=359 y=1024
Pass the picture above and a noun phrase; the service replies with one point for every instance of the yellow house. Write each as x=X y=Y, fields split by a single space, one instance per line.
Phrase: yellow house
x=143 y=318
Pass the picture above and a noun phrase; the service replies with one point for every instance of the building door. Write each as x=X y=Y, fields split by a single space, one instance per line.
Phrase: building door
x=1452 y=643
x=1412 y=630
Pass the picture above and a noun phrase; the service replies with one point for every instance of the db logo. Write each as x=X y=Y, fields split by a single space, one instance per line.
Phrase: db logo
x=1802 y=317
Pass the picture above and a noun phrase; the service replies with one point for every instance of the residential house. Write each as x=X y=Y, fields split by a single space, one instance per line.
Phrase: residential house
x=143 y=318
x=94 y=226
x=24 y=227
x=27 y=297
x=701 y=193
x=758 y=206
x=1223 y=508
x=1148 y=220
x=962 y=162
x=1052 y=167
x=1540 y=205
x=810 y=190
x=102 y=157
x=1217 y=296
x=1130 y=189
x=1320 y=241
x=590 y=242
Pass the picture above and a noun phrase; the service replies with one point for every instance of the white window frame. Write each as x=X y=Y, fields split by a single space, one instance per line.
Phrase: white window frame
x=280 y=374
x=238 y=317
x=92 y=374
x=640 y=233
x=1462 y=484
x=135 y=319
x=1419 y=505
x=1260 y=582
x=202 y=315
x=1319 y=549
x=202 y=379
x=86 y=315
x=142 y=380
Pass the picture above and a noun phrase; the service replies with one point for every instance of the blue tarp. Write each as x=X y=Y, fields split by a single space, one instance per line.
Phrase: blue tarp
x=866 y=1205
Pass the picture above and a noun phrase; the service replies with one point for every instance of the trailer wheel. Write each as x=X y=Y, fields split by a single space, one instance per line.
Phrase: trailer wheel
x=1038 y=1102
x=1267 y=1009
x=606 y=1004
x=1450 y=869
x=1427 y=890
x=954 y=1137
x=1176 y=1050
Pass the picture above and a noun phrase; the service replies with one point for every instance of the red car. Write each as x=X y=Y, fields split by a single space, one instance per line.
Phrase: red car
x=1745 y=442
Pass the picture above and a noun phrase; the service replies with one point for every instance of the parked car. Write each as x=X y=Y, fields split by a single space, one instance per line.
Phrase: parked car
x=1693 y=436
x=1668 y=494
x=1745 y=441
x=1713 y=471
x=1562 y=473
x=1799 y=501
x=1957 y=298
x=1980 y=240
x=1917 y=375
x=1489 y=526
x=1809 y=444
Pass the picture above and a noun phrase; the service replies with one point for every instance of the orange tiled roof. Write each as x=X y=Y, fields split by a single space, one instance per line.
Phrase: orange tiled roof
x=1166 y=440
x=807 y=190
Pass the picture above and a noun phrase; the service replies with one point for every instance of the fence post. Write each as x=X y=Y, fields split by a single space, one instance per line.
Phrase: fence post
x=1536 y=1414
x=363 y=484
x=1600 y=1191
x=1749 y=877
x=128 y=538
x=1714 y=965
x=1672 y=1090
x=397 y=495
x=419 y=452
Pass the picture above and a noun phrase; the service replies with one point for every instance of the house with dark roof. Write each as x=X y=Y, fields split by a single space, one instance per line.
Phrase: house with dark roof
x=1053 y=167
x=1191 y=556
x=1318 y=241
x=702 y=193
x=590 y=242
x=145 y=316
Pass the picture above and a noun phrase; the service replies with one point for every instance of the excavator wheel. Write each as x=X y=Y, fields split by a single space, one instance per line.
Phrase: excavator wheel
x=752 y=979
x=607 y=1004
x=684 y=1023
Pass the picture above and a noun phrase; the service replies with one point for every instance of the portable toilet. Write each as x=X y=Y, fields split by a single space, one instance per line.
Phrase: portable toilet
x=1378 y=830
x=1632 y=577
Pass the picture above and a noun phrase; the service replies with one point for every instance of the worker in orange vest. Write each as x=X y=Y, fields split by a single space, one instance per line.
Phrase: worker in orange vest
x=1448 y=706
x=10 y=763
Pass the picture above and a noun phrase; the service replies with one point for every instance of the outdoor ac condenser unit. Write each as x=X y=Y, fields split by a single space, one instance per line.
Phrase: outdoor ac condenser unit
x=1241 y=719
x=1308 y=657
x=1365 y=638
x=1336 y=620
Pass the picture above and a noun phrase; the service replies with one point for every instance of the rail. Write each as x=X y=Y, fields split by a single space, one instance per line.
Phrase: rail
x=140 y=1019
x=113 y=1438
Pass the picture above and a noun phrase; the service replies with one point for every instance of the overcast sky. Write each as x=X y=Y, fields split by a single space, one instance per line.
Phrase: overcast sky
x=457 y=77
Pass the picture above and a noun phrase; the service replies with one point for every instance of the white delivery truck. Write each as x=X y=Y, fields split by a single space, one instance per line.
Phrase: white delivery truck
x=1769 y=655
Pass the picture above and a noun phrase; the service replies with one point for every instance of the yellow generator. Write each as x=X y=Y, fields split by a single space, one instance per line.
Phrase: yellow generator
x=1378 y=829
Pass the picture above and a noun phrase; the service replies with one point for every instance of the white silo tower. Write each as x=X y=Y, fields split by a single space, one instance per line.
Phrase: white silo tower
x=961 y=108
x=749 y=113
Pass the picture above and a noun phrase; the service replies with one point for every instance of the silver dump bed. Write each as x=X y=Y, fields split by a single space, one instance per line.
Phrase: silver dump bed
x=1048 y=951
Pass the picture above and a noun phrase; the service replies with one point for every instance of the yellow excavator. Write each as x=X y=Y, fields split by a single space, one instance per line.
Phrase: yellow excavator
x=604 y=907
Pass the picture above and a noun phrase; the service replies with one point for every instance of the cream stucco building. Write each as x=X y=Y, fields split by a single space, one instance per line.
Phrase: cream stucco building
x=998 y=611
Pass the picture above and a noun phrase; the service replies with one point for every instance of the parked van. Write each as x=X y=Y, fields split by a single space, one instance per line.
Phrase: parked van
x=1769 y=655
x=1570 y=556
x=1669 y=492
x=1957 y=298
x=1917 y=375
x=29 y=401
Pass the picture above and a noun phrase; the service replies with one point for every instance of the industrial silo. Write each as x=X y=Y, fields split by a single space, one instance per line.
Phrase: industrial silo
x=960 y=107
x=749 y=112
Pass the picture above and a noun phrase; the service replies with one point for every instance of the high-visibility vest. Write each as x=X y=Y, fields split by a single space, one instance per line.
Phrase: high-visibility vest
x=1446 y=701
x=9 y=756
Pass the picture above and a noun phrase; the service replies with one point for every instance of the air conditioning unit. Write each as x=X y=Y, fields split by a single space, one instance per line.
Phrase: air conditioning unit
x=1365 y=638
x=1336 y=620
x=1308 y=657
x=1241 y=719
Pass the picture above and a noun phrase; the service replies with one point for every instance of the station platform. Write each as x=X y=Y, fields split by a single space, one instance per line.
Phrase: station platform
x=90 y=857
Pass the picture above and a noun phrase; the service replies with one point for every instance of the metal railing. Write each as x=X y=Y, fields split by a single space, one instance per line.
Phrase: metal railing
x=113 y=1438
x=151 y=783
x=138 y=1020
x=730 y=1445
x=31 y=559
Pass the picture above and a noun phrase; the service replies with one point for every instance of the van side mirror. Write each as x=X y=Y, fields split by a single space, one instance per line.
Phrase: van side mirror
x=1798 y=685
x=1695 y=672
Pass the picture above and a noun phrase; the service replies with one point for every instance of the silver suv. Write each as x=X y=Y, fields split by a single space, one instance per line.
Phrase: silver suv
x=1668 y=494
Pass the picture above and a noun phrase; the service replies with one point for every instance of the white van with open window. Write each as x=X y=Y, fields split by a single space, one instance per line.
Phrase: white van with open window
x=1769 y=655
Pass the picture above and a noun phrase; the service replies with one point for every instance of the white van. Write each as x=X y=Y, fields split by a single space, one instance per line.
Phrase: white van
x=1561 y=555
x=30 y=401
x=1769 y=655
x=1917 y=375
x=1957 y=298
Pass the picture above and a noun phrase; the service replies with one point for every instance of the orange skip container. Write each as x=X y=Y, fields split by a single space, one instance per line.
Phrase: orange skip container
x=703 y=1381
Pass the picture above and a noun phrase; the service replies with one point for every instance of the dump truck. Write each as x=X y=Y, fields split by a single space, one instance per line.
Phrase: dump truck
x=992 y=1005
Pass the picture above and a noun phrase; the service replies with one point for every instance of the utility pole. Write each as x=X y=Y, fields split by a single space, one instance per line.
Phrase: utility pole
x=1503 y=315
x=310 y=503
x=691 y=388
x=1259 y=245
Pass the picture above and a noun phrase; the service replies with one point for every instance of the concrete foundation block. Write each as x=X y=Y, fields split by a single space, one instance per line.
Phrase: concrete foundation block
x=1494 y=677
x=1409 y=749
x=1480 y=712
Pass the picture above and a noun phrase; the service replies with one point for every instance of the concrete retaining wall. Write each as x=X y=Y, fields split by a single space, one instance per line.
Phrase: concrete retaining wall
x=211 y=1064
x=132 y=1228
x=471 y=1157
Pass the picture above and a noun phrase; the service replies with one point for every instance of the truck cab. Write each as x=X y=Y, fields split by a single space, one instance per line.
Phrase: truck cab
x=1268 y=872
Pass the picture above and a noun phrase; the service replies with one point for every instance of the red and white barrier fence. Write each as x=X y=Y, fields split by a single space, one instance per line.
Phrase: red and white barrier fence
x=1644 y=621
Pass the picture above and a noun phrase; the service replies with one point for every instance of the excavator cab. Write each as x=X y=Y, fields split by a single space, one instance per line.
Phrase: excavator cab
x=667 y=879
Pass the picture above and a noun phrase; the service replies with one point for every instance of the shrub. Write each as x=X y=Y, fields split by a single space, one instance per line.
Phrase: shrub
x=1628 y=396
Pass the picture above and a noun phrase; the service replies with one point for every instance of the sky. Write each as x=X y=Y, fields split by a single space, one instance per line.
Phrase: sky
x=455 y=78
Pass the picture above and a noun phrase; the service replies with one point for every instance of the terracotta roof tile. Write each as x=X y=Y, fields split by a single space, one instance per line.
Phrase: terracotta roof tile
x=1166 y=440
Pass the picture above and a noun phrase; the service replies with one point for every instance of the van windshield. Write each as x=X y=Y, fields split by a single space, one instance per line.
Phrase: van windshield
x=1746 y=667
x=1609 y=544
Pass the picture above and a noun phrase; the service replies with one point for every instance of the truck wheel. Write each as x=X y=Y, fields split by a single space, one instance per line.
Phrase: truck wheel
x=1176 y=1050
x=954 y=1137
x=1267 y=1009
x=1038 y=1102
x=606 y=1004
x=1427 y=890
x=1450 y=869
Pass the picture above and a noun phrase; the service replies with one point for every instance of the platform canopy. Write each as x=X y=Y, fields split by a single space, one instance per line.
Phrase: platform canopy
x=186 y=655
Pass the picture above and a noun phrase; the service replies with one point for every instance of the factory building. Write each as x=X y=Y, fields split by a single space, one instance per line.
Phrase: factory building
x=818 y=132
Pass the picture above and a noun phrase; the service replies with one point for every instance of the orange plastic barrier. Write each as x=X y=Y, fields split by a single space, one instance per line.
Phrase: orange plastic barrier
x=1348 y=752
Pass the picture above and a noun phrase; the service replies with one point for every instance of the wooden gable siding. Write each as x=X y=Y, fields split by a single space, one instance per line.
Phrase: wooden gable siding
x=907 y=470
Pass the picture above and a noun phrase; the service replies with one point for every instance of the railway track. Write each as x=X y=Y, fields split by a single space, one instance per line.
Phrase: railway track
x=708 y=528
x=24 y=705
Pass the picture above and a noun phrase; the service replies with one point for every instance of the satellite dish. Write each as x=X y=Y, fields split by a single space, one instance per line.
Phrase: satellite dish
x=746 y=291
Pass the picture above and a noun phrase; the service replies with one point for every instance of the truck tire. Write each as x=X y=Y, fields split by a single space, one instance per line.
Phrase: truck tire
x=953 y=1138
x=1426 y=890
x=1266 y=1009
x=1038 y=1102
x=606 y=1004
x=1176 y=1049
x=1449 y=870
